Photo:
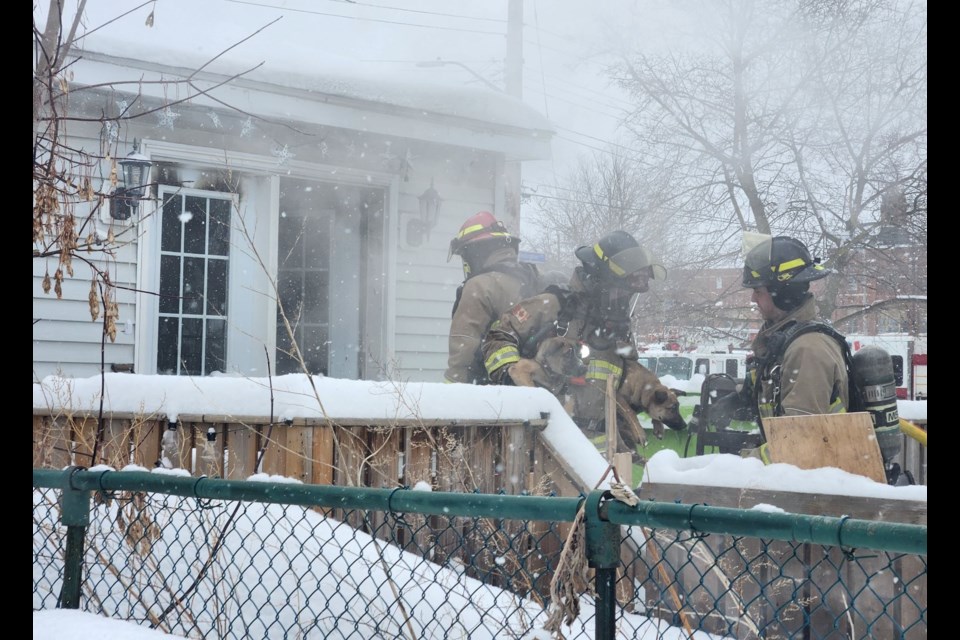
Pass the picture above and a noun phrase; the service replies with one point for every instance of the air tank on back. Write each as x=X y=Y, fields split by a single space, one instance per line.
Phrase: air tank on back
x=873 y=373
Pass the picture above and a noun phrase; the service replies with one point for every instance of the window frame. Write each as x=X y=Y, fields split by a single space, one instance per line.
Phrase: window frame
x=157 y=250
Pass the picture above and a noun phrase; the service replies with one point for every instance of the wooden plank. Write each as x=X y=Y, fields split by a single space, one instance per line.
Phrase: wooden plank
x=623 y=463
x=419 y=457
x=146 y=442
x=116 y=442
x=322 y=460
x=610 y=421
x=241 y=443
x=51 y=443
x=419 y=468
x=515 y=456
x=273 y=440
x=386 y=446
x=184 y=457
x=844 y=440
x=299 y=447
x=880 y=509
x=83 y=434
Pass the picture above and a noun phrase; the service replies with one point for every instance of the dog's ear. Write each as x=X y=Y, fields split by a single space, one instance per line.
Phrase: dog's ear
x=678 y=392
x=660 y=395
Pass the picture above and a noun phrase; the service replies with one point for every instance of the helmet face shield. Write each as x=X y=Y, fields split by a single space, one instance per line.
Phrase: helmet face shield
x=633 y=268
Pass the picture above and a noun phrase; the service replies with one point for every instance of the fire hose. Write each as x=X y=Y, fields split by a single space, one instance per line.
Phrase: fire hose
x=913 y=431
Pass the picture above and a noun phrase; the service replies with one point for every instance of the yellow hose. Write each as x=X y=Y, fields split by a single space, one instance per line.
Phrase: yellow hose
x=913 y=431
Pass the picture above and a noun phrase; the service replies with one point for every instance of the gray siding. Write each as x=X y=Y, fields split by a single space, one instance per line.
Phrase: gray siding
x=65 y=338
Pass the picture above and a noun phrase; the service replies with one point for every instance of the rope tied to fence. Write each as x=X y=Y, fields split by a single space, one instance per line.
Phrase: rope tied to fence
x=571 y=578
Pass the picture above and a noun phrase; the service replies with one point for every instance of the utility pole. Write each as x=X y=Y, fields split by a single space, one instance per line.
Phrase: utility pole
x=514 y=78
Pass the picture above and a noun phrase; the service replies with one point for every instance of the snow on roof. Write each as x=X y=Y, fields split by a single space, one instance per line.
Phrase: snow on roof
x=328 y=74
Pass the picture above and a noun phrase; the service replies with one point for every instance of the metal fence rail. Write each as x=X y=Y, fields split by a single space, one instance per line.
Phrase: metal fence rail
x=208 y=558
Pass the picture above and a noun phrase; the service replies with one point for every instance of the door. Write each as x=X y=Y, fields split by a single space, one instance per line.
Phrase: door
x=321 y=271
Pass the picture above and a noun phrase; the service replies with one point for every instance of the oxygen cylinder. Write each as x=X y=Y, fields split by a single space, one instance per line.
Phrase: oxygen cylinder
x=873 y=375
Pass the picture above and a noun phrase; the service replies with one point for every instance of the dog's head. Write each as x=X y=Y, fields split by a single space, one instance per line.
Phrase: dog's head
x=560 y=357
x=662 y=405
x=643 y=391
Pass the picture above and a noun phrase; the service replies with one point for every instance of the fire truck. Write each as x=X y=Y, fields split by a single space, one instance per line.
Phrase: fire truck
x=909 y=355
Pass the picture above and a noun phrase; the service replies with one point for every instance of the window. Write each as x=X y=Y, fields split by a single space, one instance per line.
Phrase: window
x=703 y=366
x=897 y=369
x=303 y=285
x=731 y=368
x=679 y=368
x=194 y=262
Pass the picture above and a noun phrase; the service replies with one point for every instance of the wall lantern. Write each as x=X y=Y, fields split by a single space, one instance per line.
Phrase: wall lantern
x=418 y=229
x=429 y=208
x=136 y=175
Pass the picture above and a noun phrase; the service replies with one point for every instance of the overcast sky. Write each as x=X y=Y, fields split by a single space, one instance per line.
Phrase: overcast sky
x=566 y=44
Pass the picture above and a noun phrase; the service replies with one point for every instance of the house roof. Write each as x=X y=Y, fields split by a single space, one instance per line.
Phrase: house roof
x=330 y=93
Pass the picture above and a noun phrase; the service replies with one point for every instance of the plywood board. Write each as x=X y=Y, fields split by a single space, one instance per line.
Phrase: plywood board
x=844 y=440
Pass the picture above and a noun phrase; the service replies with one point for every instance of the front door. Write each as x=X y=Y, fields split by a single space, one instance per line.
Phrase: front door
x=322 y=246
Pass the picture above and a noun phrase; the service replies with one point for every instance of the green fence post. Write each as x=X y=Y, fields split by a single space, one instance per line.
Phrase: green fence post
x=75 y=514
x=603 y=555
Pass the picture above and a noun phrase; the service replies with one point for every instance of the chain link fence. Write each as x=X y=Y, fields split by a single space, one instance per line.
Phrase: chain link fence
x=206 y=558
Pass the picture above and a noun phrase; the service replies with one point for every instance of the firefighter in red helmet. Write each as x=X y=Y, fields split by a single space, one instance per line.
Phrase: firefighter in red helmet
x=493 y=282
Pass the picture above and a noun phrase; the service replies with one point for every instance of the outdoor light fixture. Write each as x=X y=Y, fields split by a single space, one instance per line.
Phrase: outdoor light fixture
x=429 y=207
x=136 y=175
x=418 y=229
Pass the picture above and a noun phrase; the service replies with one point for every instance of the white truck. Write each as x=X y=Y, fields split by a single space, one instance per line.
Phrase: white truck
x=682 y=365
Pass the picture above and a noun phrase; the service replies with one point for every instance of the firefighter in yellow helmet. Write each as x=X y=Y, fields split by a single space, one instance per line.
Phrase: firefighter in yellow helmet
x=493 y=282
x=794 y=371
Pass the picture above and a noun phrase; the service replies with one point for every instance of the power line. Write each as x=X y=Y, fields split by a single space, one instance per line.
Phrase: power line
x=429 y=13
x=396 y=22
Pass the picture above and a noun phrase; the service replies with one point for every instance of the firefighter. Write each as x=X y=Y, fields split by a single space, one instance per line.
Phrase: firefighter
x=595 y=308
x=493 y=281
x=793 y=373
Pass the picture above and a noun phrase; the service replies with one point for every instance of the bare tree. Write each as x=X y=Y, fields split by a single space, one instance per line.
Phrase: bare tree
x=605 y=192
x=790 y=118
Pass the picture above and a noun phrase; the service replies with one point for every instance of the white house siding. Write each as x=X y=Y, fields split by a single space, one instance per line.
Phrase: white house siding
x=426 y=282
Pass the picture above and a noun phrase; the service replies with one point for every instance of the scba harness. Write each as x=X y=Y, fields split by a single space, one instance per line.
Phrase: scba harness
x=777 y=345
x=870 y=388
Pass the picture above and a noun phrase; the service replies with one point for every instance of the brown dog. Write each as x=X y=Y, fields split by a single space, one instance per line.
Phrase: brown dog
x=641 y=390
x=557 y=360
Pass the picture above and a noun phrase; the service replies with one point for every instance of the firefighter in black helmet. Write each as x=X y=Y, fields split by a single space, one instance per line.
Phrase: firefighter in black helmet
x=595 y=308
x=794 y=372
